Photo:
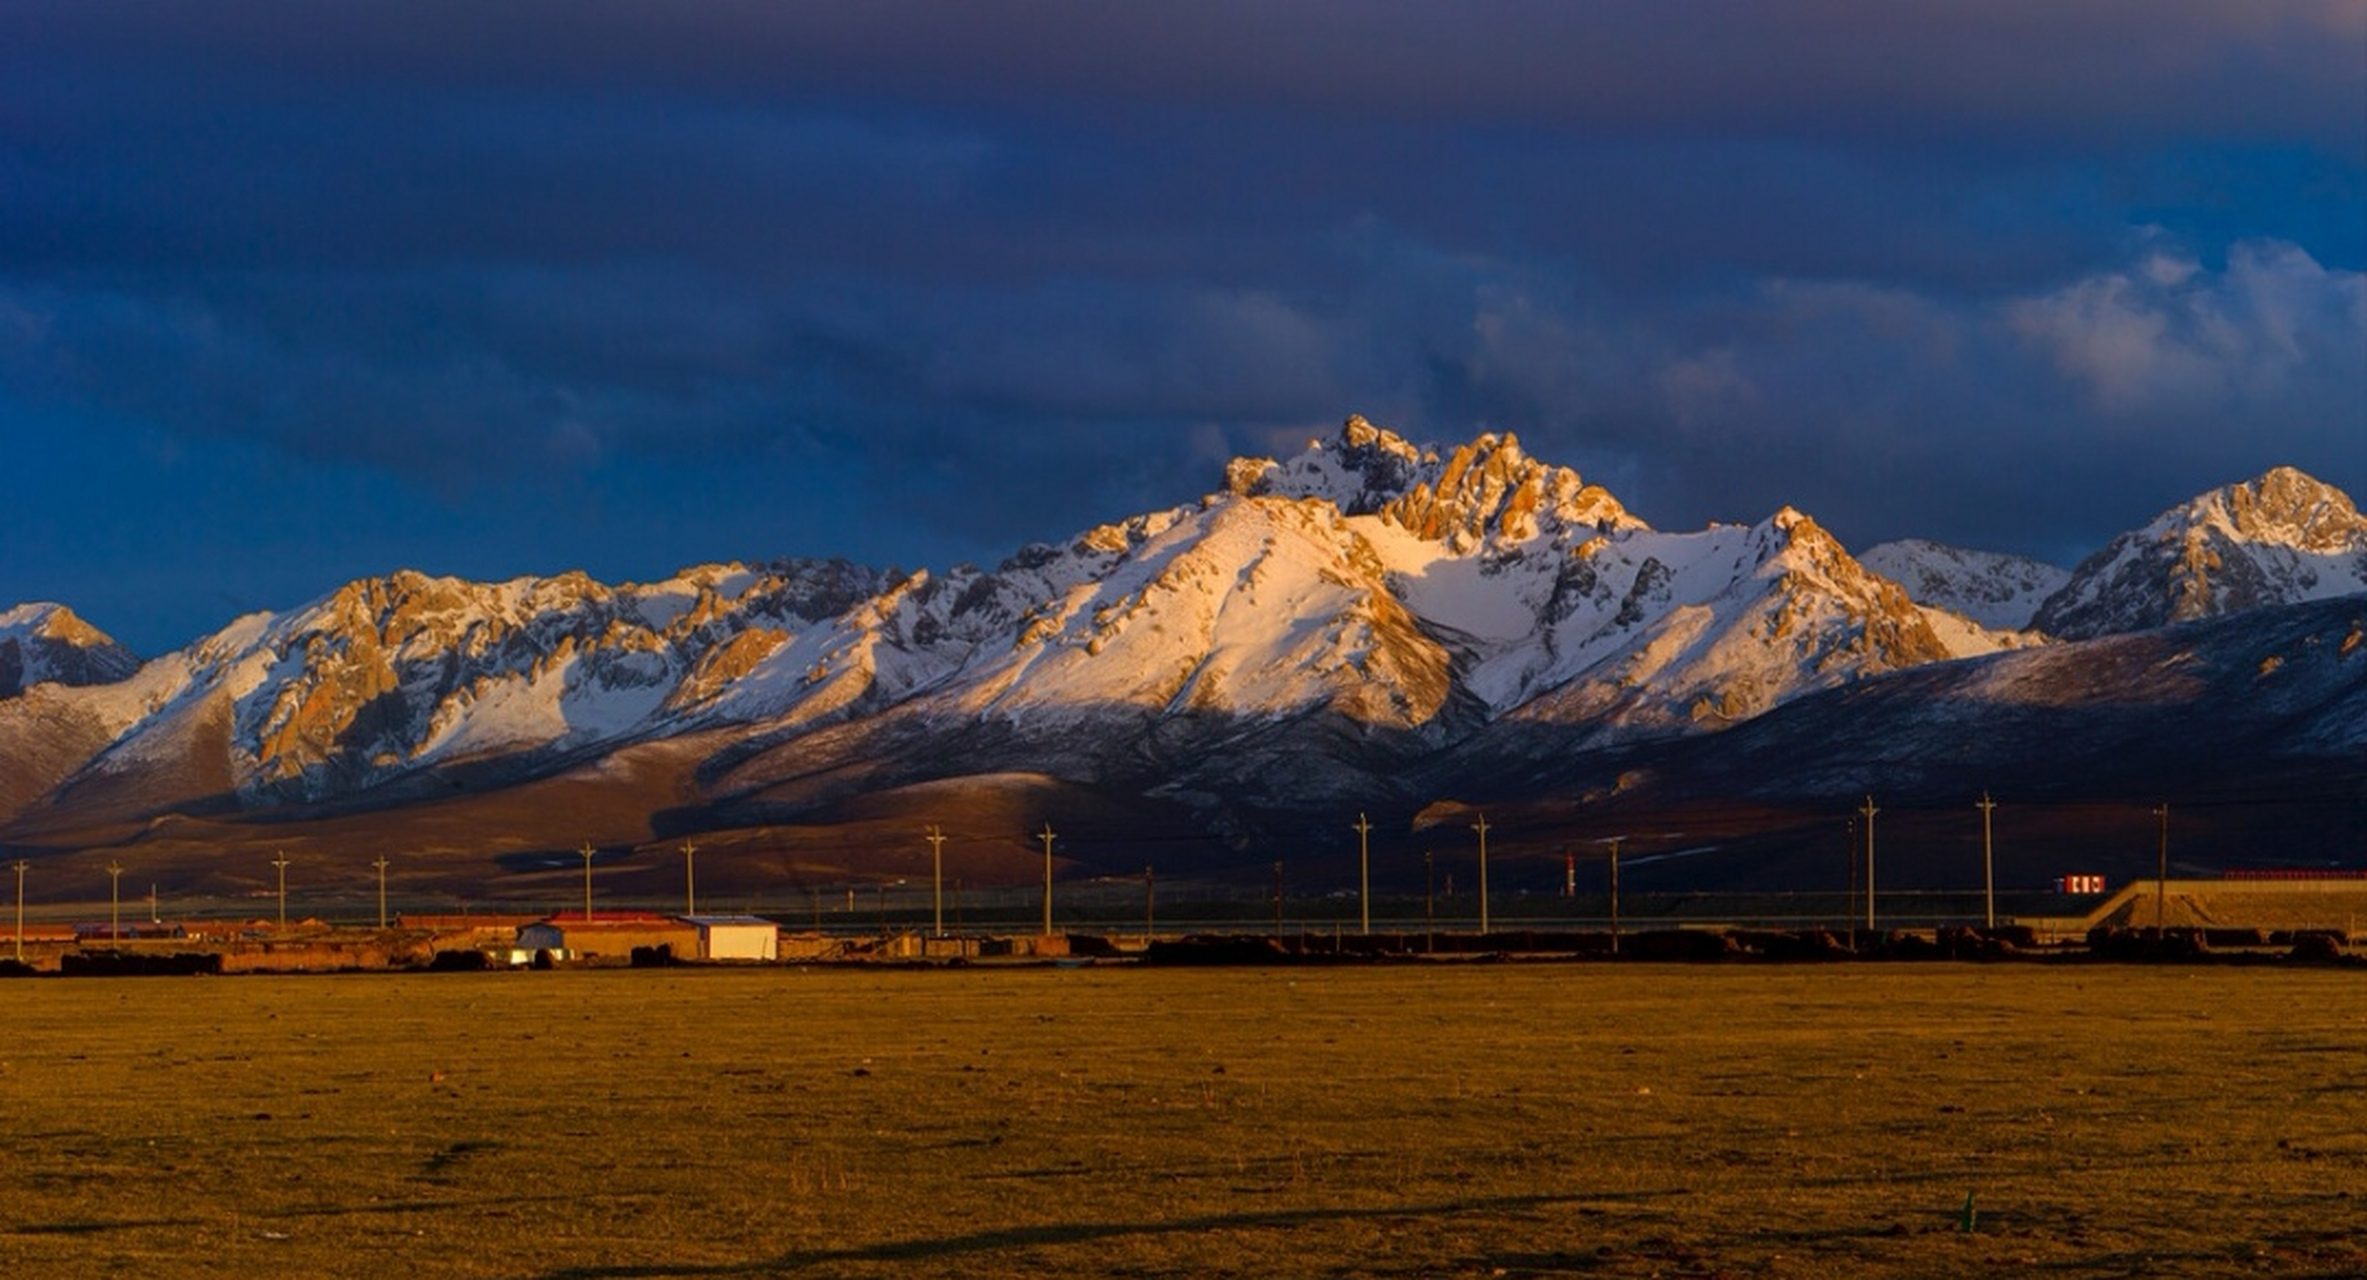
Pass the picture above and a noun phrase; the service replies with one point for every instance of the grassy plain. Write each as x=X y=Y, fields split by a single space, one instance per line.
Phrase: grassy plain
x=1463 y=1120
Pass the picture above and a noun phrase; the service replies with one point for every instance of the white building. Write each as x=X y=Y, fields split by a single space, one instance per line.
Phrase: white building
x=736 y=937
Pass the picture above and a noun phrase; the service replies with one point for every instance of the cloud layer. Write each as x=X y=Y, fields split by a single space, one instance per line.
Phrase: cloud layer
x=502 y=289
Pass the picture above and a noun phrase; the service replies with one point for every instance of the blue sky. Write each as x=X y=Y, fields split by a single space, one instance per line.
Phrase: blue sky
x=294 y=293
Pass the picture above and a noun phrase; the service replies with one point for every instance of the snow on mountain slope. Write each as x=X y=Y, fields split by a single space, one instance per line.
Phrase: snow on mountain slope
x=47 y=643
x=2283 y=538
x=1486 y=491
x=1737 y=621
x=1997 y=591
x=2284 y=693
x=1318 y=582
x=1365 y=579
x=1394 y=591
x=1319 y=620
x=1247 y=607
x=389 y=676
x=1242 y=607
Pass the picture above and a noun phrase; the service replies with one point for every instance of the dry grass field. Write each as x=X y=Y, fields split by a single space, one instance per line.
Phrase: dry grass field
x=1467 y=1120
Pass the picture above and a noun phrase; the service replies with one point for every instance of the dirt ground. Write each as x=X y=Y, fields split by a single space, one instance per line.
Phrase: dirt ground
x=1473 y=1119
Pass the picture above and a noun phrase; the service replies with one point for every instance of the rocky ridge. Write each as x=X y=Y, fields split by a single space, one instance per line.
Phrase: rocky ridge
x=1999 y=591
x=48 y=644
x=1312 y=630
x=2283 y=538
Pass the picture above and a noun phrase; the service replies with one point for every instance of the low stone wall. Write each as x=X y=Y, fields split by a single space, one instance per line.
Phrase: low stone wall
x=325 y=954
x=2240 y=904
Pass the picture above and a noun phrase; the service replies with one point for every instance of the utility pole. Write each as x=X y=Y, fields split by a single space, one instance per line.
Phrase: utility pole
x=2161 y=881
x=380 y=863
x=280 y=860
x=587 y=851
x=1869 y=811
x=690 y=888
x=1481 y=827
x=1614 y=843
x=936 y=841
x=114 y=902
x=1364 y=871
x=20 y=909
x=1849 y=860
x=1429 y=904
x=1148 y=905
x=1046 y=836
x=1988 y=862
x=1277 y=902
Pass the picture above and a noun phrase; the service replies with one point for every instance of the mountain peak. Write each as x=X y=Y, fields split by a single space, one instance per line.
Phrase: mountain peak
x=2284 y=506
x=1357 y=435
x=1485 y=490
x=48 y=643
x=1361 y=470
x=2282 y=538
x=1993 y=589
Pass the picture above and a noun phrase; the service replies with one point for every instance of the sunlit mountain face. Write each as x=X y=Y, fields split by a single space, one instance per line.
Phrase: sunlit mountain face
x=1368 y=624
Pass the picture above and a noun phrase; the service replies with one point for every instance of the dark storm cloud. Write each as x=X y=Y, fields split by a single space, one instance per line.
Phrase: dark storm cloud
x=2103 y=66
x=2039 y=422
x=2008 y=273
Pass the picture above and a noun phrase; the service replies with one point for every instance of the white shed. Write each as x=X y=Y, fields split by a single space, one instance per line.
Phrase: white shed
x=737 y=937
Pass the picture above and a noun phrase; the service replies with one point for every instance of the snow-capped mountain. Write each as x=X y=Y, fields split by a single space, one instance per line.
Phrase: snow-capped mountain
x=400 y=675
x=2077 y=741
x=1999 y=591
x=2281 y=539
x=1547 y=586
x=2284 y=693
x=1358 y=622
x=1365 y=583
x=42 y=643
x=1330 y=618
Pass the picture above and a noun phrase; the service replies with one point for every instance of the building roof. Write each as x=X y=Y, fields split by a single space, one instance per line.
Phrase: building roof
x=709 y=922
